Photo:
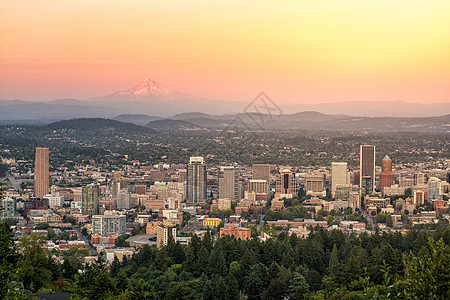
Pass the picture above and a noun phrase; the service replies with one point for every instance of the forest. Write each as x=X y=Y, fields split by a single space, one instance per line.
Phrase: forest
x=325 y=265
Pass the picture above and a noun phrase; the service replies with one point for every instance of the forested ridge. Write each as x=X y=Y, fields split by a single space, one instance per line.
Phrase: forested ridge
x=325 y=265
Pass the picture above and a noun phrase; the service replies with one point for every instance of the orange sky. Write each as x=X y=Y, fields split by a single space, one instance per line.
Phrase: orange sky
x=295 y=51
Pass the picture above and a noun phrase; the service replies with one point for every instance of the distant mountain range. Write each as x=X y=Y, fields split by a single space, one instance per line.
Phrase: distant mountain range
x=155 y=102
x=303 y=120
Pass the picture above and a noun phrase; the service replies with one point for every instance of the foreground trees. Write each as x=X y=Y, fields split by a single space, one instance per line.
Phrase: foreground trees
x=325 y=265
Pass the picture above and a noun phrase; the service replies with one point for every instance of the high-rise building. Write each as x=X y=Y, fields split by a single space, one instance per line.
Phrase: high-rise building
x=163 y=233
x=123 y=199
x=259 y=186
x=367 y=168
x=140 y=189
x=229 y=183
x=434 y=189
x=183 y=176
x=420 y=178
x=8 y=206
x=89 y=200
x=419 y=198
x=261 y=171
x=314 y=183
x=286 y=183
x=116 y=186
x=106 y=225
x=196 y=181
x=41 y=173
x=386 y=175
x=338 y=175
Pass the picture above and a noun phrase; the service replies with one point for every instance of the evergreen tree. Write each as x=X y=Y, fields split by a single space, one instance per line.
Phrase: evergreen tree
x=115 y=267
x=333 y=266
x=8 y=262
x=122 y=282
x=232 y=288
x=208 y=292
x=299 y=288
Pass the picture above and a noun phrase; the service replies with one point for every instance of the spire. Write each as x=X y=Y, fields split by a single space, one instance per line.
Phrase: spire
x=386 y=158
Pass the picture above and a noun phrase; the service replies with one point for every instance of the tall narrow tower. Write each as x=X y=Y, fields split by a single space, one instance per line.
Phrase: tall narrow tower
x=386 y=175
x=229 y=183
x=367 y=168
x=41 y=174
x=196 y=181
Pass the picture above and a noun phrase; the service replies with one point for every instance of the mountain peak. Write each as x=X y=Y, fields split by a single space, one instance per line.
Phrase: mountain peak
x=147 y=88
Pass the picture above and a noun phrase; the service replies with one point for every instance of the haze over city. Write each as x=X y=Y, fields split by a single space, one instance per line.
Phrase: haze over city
x=296 y=51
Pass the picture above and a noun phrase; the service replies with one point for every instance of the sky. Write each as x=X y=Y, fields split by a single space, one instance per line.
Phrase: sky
x=295 y=51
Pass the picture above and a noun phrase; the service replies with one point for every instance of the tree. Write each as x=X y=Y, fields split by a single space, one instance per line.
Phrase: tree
x=34 y=262
x=8 y=262
x=143 y=290
x=208 y=293
x=115 y=267
x=299 y=288
x=232 y=288
x=428 y=273
x=334 y=264
x=95 y=282
x=277 y=289
x=122 y=282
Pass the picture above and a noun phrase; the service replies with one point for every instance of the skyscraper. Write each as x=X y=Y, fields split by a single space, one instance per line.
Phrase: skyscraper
x=196 y=181
x=165 y=232
x=434 y=189
x=41 y=174
x=89 y=200
x=338 y=175
x=386 y=175
x=261 y=171
x=367 y=168
x=229 y=183
x=286 y=183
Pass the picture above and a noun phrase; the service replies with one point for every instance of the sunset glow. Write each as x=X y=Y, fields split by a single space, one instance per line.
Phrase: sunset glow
x=296 y=51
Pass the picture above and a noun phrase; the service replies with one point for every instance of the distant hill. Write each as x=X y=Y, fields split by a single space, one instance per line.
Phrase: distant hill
x=96 y=124
x=169 y=124
x=138 y=119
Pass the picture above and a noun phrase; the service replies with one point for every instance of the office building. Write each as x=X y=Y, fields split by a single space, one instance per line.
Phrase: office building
x=107 y=225
x=261 y=171
x=314 y=183
x=386 y=175
x=89 y=199
x=8 y=208
x=238 y=233
x=164 y=233
x=342 y=192
x=434 y=189
x=183 y=176
x=229 y=183
x=419 y=198
x=367 y=168
x=286 y=183
x=140 y=189
x=259 y=186
x=420 y=178
x=196 y=181
x=338 y=175
x=123 y=199
x=41 y=172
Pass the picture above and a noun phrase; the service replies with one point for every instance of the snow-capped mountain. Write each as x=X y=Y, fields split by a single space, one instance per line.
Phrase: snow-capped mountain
x=147 y=90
